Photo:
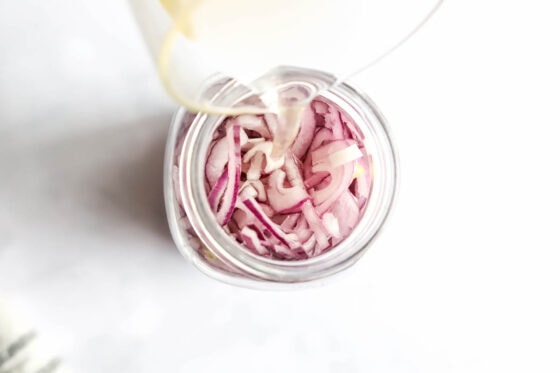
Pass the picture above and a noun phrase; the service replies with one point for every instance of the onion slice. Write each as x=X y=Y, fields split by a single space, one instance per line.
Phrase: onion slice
x=324 y=135
x=258 y=186
x=341 y=177
x=333 y=157
x=252 y=241
x=315 y=224
x=347 y=213
x=320 y=107
x=363 y=180
x=217 y=191
x=254 y=172
x=285 y=253
x=289 y=222
x=253 y=123
x=216 y=161
x=234 y=172
x=315 y=179
x=272 y=227
x=334 y=123
x=284 y=200
x=330 y=222
x=266 y=149
x=306 y=133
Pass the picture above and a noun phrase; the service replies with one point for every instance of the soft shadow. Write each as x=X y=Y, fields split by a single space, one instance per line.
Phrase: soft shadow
x=136 y=189
x=114 y=175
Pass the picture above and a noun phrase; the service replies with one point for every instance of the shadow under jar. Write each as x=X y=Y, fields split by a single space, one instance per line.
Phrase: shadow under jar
x=212 y=248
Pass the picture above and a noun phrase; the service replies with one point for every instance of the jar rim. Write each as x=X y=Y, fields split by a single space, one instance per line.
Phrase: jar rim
x=192 y=159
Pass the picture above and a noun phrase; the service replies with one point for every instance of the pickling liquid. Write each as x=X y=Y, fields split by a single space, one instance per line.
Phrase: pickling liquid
x=229 y=30
x=258 y=43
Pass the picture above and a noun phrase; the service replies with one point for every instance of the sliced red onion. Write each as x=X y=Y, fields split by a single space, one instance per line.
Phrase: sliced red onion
x=330 y=222
x=324 y=152
x=269 y=211
x=322 y=136
x=243 y=138
x=217 y=191
x=232 y=228
x=315 y=224
x=251 y=240
x=284 y=200
x=301 y=223
x=295 y=208
x=271 y=122
x=251 y=142
x=320 y=248
x=337 y=158
x=289 y=222
x=247 y=192
x=234 y=172
x=264 y=148
x=334 y=123
x=254 y=172
x=347 y=213
x=258 y=186
x=260 y=234
x=253 y=123
x=306 y=133
x=273 y=228
x=309 y=246
x=363 y=180
x=315 y=179
x=341 y=177
x=242 y=218
x=303 y=234
x=184 y=223
x=320 y=107
x=293 y=172
x=324 y=183
x=283 y=252
x=309 y=200
x=216 y=161
x=306 y=167
x=351 y=126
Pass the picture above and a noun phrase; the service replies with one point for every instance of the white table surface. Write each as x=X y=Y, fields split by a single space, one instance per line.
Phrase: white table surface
x=463 y=279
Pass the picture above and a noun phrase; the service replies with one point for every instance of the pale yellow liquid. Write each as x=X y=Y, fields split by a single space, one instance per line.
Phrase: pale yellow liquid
x=246 y=39
x=227 y=28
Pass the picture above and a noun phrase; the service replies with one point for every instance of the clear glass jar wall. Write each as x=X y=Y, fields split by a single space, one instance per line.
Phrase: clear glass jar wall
x=204 y=242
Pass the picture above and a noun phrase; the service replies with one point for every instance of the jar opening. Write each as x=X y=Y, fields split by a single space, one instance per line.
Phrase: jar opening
x=194 y=196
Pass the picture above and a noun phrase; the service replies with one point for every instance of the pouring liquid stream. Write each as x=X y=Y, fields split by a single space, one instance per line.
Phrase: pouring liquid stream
x=248 y=39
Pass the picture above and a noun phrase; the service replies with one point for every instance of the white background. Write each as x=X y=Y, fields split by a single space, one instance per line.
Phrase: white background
x=463 y=279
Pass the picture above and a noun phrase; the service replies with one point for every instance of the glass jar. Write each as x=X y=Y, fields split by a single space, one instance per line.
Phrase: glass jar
x=196 y=231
